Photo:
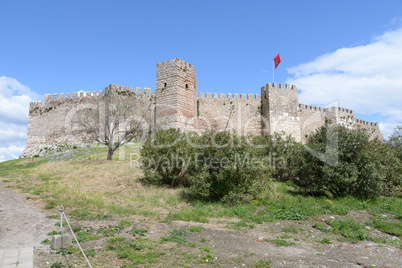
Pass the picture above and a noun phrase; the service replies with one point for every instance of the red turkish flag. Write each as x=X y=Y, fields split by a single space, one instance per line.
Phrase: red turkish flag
x=277 y=60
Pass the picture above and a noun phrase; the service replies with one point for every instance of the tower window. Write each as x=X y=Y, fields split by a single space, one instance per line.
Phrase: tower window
x=186 y=86
x=165 y=85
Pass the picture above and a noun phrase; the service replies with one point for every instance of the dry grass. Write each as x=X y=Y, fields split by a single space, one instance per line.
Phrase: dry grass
x=93 y=187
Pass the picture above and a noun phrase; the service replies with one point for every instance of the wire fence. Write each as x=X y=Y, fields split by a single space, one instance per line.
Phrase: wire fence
x=63 y=215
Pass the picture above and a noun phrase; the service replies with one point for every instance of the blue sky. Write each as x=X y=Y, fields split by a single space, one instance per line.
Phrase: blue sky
x=349 y=51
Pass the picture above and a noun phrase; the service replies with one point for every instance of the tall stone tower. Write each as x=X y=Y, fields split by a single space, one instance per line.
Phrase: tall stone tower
x=176 y=95
x=280 y=110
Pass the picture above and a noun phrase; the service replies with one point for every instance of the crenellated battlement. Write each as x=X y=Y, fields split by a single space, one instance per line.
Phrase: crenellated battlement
x=366 y=123
x=281 y=86
x=202 y=95
x=174 y=63
x=340 y=109
x=283 y=89
x=60 y=98
x=305 y=107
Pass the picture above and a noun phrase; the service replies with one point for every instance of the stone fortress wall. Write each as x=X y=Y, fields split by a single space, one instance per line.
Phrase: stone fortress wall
x=174 y=103
x=53 y=122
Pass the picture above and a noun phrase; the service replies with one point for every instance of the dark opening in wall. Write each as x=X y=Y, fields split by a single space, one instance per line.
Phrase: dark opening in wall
x=165 y=85
x=186 y=86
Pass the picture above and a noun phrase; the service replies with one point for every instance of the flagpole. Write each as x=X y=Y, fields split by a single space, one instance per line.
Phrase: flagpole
x=273 y=71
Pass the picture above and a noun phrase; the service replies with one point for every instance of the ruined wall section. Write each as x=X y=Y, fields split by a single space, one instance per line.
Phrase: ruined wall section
x=372 y=129
x=52 y=122
x=238 y=113
x=281 y=110
x=339 y=115
x=176 y=94
x=313 y=117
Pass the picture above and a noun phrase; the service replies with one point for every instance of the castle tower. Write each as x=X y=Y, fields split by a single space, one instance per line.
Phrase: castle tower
x=176 y=95
x=280 y=110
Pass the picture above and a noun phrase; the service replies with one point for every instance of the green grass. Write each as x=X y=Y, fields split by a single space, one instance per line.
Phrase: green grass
x=139 y=251
x=138 y=232
x=289 y=214
x=390 y=227
x=90 y=252
x=348 y=228
x=45 y=242
x=191 y=245
x=285 y=236
x=206 y=249
x=125 y=223
x=280 y=242
x=178 y=236
x=208 y=258
x=84 y=236
x=116 y=239
x=289 y=230
x=196 y=229
x=323 y=228
x=325 y=241
x=262 y=264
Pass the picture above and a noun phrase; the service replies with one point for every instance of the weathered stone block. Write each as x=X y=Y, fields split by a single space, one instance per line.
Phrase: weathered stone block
x=60 y=241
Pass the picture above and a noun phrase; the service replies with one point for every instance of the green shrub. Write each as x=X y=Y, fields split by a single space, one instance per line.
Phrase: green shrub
x=164 y=156
x=350 y=165
x=284 y=154
x=386 y=161
x=213 y=166
x=395 y=140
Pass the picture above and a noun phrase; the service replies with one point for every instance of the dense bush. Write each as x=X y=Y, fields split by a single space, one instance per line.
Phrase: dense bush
x=212 y=166
x=341 y=161
x=395 y=140
x=283 y=152
x=336 y=161
x=165 y=156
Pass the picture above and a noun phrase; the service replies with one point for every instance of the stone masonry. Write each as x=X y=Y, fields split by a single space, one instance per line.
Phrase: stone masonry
x=174 y=103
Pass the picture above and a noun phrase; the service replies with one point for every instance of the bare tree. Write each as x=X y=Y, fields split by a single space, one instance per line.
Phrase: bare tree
x=119 y=118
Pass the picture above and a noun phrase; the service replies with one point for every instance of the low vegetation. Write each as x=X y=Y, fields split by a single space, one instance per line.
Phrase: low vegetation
x=366 y=181
x=212 y=167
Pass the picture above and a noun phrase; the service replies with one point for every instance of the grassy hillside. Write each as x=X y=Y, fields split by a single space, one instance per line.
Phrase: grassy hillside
x=91 y=188
x=88 y=186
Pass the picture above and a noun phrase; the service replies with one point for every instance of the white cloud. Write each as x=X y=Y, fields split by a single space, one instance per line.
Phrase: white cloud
x=11 y=152
x=14 y=109
x=367 y=79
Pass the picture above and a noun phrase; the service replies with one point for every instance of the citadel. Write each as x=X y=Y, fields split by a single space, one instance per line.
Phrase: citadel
x=174 y=103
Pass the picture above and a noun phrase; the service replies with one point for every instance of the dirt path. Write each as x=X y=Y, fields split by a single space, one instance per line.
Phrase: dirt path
x=21 y=224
